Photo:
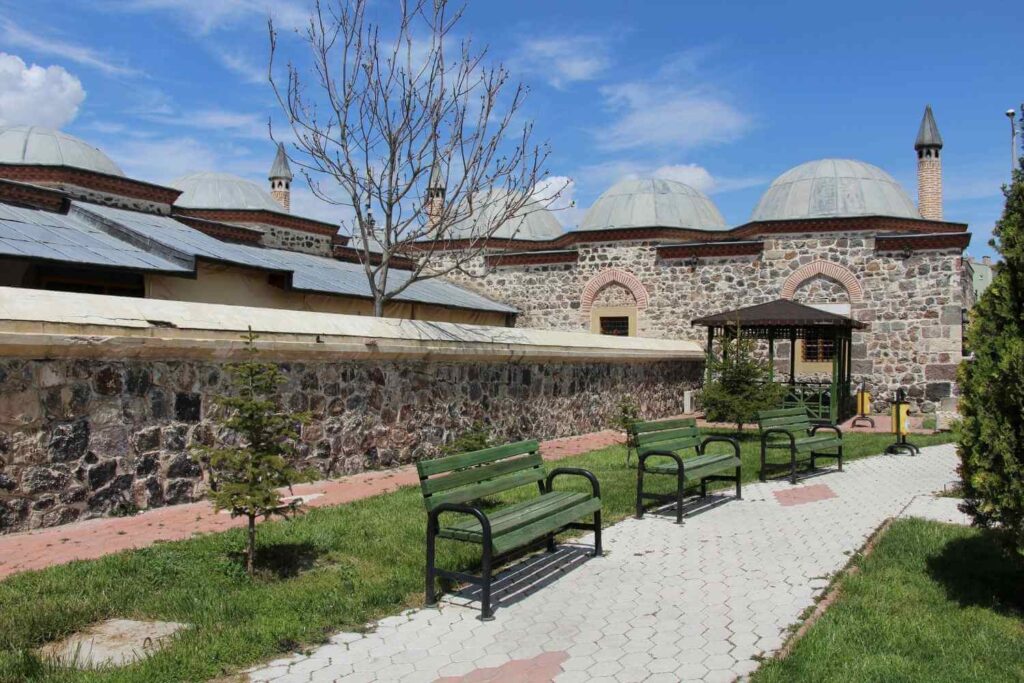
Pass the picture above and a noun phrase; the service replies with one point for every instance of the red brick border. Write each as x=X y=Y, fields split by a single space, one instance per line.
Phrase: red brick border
x=841 y=274
x=608 y=276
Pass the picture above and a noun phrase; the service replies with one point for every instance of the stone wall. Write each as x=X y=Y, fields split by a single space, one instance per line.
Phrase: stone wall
x=911 y=303
x=87 y=437
x=295 y=240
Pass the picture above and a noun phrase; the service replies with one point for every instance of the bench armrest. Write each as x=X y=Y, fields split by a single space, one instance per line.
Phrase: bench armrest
x=665 y=454
x=485 y=524
x=720 y=439
x=837 y=430
x=776 y=430
x=578 y=472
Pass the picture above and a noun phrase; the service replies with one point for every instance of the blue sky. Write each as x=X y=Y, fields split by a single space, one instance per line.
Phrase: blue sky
x=724 y=96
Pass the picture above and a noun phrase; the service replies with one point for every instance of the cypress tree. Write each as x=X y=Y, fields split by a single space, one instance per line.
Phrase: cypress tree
x=991 y=431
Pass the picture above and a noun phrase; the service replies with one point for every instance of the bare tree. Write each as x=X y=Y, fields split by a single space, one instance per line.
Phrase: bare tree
x=413 y=131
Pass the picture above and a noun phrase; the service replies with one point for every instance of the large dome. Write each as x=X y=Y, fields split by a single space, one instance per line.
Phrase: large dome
x=536 y=223
x=829 y=188
x=222 y=191
x=652 y=202
x=36 y=146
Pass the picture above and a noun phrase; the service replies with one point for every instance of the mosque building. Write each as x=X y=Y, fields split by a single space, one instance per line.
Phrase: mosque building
x=648 y=257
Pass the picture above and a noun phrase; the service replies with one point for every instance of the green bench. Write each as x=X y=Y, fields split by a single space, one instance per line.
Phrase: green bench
x=792 y=430
x=658 y=445
x=452 y=486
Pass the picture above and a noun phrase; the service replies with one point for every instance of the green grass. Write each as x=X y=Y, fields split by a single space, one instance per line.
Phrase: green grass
x=327 y=570
x=934 y=602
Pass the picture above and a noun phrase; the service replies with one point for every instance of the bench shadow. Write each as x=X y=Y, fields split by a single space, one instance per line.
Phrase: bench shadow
x=980 y=572
x=802 y=474
x=528 y=576
x=692 y=506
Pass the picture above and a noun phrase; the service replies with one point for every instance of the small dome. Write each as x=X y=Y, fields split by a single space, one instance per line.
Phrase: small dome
x=829 y=188
x=222 y=191
x=652 y=202
x=36 y=146
x=536 y=223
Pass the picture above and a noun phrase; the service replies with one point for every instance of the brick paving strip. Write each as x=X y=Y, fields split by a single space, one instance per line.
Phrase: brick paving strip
x=698 y=602
x=97 y=537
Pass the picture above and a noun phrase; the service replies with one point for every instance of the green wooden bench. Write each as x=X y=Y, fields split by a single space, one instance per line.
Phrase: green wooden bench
x=452 y=486
x=791 y=429
x=658 y=446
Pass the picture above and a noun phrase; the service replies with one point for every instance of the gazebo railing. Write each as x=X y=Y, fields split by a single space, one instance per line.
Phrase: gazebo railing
x=817 y=398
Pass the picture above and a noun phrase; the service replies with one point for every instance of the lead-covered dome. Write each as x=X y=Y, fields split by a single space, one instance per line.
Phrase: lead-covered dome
x=222 y=191
x=534 y=223
x=652 y=202
x=35 y=146
x=829 y=188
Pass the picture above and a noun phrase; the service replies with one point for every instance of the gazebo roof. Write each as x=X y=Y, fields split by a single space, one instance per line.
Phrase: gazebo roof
x=779 y=313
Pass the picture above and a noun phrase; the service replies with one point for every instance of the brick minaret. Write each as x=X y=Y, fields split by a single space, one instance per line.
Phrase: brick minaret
x=929 y=168
x=281 y=179
x=435 y=194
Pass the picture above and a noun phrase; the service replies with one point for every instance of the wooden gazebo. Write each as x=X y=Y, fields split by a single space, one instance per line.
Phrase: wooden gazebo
x=787 y=320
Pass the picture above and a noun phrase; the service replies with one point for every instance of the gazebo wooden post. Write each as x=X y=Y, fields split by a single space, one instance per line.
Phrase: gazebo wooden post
x=837 y=354
x=711 y=353
x=792 y=356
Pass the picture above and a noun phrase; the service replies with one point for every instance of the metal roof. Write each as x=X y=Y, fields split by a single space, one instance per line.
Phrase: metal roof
x=829 y=188
x=280 y=168
x=93 y=234
x=37 y=146
x=73 y=238
x=652 y=202
x=534 y=223
x=778 y=313
x=222 y=191
x=928 y=133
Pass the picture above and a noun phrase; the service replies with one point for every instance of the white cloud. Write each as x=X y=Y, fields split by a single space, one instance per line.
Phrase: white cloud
x=240 y=64
x=207 y=15
x=660 y=116
x=16 y=36
x=563 y=60
x=604 y=175
x=36 y=95
x=558 y=195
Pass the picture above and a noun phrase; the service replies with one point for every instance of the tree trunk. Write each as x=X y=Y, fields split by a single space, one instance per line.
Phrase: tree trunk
x=378 y=308
x=250 y=555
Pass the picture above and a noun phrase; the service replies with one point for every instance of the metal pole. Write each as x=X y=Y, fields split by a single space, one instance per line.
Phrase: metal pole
x=1010 y=113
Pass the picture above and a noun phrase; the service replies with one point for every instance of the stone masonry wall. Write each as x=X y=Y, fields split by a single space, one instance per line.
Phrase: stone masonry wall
x=911 y=304
x=84 y=438
x=295 y=240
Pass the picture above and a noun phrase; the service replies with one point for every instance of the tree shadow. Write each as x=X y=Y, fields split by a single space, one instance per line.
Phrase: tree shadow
x=979 y=571
x=282 y=560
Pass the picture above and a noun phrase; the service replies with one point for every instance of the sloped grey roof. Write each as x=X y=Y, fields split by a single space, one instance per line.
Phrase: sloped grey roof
x=534 y=223
x=72 y=238
x=104 y=235
x=45 y=147
x=828 y=188
x=280 y=168
x=222 y=191
x=652 y=202
x=928 y=133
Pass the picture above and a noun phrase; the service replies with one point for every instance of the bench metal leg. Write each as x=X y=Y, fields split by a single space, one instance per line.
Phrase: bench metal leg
x=764 y=454
x=598 y=551
x=792 y=467
x=551 y=543
x=840 y=458
x=486 y=613
x=431 y=594
x=640 y=490
x=739 y=492
x=680 y=483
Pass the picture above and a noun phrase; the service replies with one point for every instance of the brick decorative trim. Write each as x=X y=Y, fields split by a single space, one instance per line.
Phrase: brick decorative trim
x=91 y=180
x=281 y=220
x=922 y=242
x=222 y=231
x=608 y=276
x=708 y=249
x=532 y=258
x=841 y=274
x=12 y=192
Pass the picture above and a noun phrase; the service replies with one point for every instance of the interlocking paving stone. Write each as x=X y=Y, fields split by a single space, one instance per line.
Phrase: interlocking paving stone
x=693 y=602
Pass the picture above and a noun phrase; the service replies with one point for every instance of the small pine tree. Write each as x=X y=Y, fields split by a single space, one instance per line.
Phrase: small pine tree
x=991 y=431
x=245 y=477
x=738 y=383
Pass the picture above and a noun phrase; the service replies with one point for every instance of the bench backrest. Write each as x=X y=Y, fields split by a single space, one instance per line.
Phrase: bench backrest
x=795 y=420
x=666 y=435
x=469 y=476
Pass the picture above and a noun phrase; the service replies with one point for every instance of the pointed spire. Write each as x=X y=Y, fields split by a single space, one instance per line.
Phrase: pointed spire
x=928 y=133
x=280 y=168
x=436 y=181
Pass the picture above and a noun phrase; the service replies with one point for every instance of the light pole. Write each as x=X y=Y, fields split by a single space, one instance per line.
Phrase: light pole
x=1013 y=141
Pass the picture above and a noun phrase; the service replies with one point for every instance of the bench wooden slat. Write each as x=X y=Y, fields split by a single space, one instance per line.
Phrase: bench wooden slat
x=428 y=468
x=781 y=412
x=789 y=422
x=514 y=516
x=660 y=425
x=677 y=445
x=542 y=527
x=667 y=435
x=465 y=494
x=479 y=473
x=695 y=468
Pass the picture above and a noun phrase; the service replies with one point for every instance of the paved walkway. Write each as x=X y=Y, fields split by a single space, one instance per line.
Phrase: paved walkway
x=97 y=537
x=697 y=602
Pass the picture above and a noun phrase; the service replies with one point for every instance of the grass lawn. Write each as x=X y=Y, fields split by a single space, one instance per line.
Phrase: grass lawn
x=933 y=602
x=327 y=570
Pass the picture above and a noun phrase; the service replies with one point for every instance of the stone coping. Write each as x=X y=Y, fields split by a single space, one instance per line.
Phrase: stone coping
x=44 y=324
